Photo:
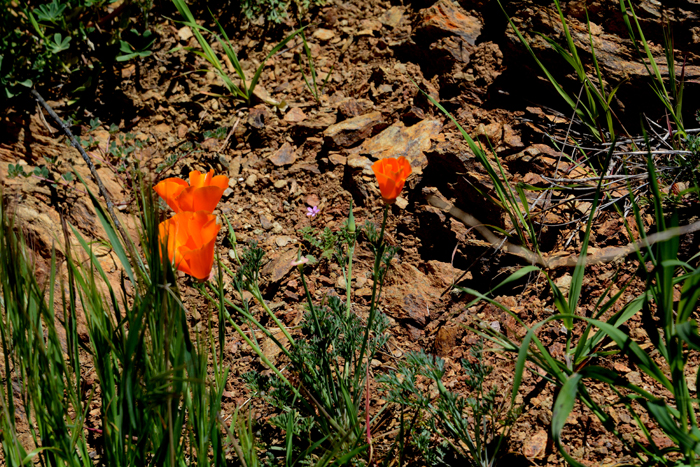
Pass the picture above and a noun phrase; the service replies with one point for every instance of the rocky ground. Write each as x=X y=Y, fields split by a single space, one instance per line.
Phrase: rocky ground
x=287 y=152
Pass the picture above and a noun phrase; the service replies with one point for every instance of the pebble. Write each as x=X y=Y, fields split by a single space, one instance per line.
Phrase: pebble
x=265 y=222
x=283 y=240
x=250 y=181
x=323 y=34
x=279 y=184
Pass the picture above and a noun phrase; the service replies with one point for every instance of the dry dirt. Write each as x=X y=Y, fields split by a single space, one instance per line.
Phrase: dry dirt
x=284 y=158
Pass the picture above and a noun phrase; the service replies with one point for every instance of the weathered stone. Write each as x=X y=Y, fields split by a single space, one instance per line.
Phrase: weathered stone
x=350 y=107
x=323 y=34
x=258 y=115
x=184 y=33
x=265 y=223
x=398 y=140
x=451 y=27
x=490 y=134
x=392 y=17
x=315 y=124
x=295 y=115
x=337 y=159
x=285 y=155
x=280 y=265
x=349 y=132
x=511 y=138
x=446 y=339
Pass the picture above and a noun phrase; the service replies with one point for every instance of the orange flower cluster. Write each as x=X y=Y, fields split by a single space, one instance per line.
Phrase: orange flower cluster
x=391 y=175
x=191 y=233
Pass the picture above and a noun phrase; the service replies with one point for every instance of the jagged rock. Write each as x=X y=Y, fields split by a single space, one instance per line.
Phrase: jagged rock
x=258 y=115
x=315 y=124
x=398 y=140
x=446 y=339
x=350 y=131
x=294 y=115
x=284 y=155
x=451 y=28
x=350 y=107
x=392 y=17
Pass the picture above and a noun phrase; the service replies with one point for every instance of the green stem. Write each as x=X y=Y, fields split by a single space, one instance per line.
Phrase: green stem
x=372 y=307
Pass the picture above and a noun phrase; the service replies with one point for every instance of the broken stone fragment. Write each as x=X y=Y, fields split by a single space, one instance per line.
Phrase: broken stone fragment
x=398 y=140
x=451 y=27
x=284 y=155
x=352 y=130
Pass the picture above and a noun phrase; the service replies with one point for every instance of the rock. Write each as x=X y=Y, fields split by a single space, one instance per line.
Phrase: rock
x=265 y=223
x=279 y=184
x=280 y=265
x=535 y=446
x=349 y=132
x=490 y=134
x=564 y=283
x=323 y=34
x=410 y=297
x=442 y=275
x=270 y=348
x=184 y=33
x=162 y=128
x=391 y=17
x=350 y=107
x=446 y=339
x=182 y=131
x=284 y=155
x=413 y=115
x=337 y=159
x=452 y=29
x=398 y=140
x=315 y=124
x=295 y=115
x=312 y=200
x=511 y=138
x=258 y=115
x=634 y=377
x=617 y=58
x=250 y=181
x=283 y=241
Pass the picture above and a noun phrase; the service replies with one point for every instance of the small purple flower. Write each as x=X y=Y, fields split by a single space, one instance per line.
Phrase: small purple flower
x=312 y=211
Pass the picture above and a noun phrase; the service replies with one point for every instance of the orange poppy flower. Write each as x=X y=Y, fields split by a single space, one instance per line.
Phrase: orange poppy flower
x=190 y=238
x=391 y=175
x=202 y=194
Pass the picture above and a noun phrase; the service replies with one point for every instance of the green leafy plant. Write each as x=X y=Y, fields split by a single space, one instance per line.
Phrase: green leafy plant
x=474 y=425
x=321 y=400
x=312 y=86
x=244 y=90
x=157 y=390
x=671 y=328
x=57 y=42
x=143 y=43
x=276 y=10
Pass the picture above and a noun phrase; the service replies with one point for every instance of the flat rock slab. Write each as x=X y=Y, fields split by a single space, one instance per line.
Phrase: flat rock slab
x=397 y=140
x=353 y=130
x=285 y=155
x=447 y=19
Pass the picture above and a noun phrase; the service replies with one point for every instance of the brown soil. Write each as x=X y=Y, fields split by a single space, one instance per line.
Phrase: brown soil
x=283 y=159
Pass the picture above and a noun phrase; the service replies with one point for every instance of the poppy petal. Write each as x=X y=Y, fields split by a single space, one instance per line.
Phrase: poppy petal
x=169 y=189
